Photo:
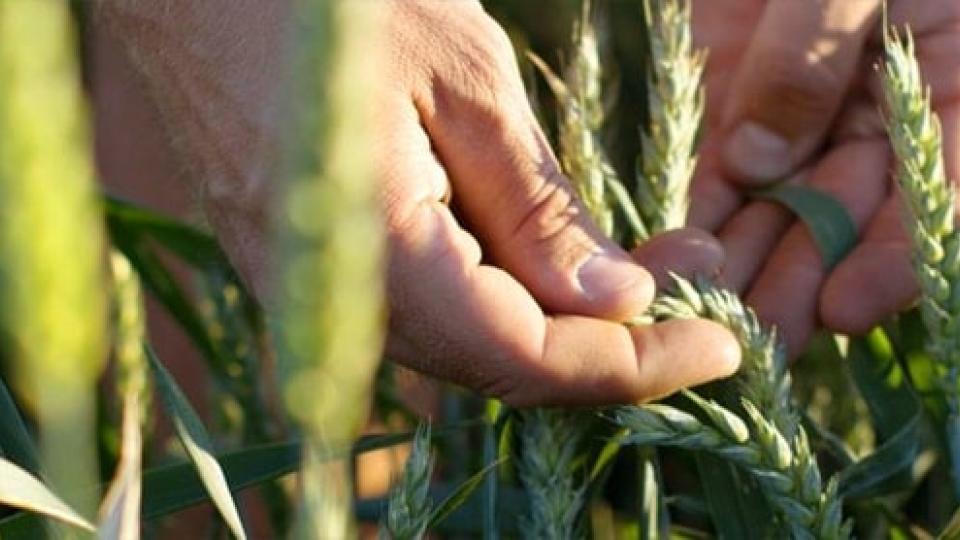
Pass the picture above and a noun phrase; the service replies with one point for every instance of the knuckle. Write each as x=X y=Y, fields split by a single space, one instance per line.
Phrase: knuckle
x=801 y=81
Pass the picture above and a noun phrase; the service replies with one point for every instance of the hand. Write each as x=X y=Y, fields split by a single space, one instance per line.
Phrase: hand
x=793 y=94
x=513 y=292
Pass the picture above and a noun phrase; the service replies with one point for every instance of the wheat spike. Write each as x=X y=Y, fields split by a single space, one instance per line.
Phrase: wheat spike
x=550 y=442
x=764 y=379
x=582 y=113
x=410 y=508
x=764 y=382
x=676 y=102
x=786 y=472
x=929 y=202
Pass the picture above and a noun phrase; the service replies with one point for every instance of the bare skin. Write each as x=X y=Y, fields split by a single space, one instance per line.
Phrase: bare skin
x=802 y=76
x=516 y=294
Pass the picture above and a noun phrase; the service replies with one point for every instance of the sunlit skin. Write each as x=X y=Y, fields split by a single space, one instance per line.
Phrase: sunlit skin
x=806 y=71
x=488 y=277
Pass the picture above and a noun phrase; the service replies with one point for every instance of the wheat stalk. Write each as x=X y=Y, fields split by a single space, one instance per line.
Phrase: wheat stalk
x=331 y=278
x=929 y=202
x=53 y=313
x=410 y=507
x=676 y=101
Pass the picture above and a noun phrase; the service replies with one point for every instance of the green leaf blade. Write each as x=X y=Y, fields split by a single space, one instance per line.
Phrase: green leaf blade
x=20 y=489
x=829 y=223
x=198 y=446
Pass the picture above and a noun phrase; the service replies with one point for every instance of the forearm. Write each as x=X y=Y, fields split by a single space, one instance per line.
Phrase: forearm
x=214 y=68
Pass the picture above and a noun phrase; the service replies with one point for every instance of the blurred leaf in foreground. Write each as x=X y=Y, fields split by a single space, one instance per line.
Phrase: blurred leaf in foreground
x=51 y=240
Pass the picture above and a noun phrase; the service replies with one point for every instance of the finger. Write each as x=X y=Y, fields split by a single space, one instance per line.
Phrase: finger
x=686 y=252
x=750 y=236
x=875 y=281
x=793 y=79
x=474 y=325
x=511 y=194
x=713 y=199
x=950 y=120
x=786 y=292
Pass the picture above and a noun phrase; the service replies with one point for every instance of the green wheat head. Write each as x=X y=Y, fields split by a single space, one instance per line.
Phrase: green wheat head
x=582 y=117
x=676 y=101
x=786 y=471
x=929 y=202
x=410 y=507
x=549 y=469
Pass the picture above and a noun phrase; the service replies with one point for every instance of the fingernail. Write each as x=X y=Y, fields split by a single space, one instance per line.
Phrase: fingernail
x=603 y=275
x=757 y=154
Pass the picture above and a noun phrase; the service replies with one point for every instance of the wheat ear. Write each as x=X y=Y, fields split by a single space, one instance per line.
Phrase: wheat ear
x=785 y=471
x=409 y=508
x=764 y=382
x=550 y=440
x=929 y=201
x=582 y=114
x=676 y=101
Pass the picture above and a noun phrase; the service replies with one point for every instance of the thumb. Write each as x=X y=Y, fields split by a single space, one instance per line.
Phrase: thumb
x=791 y=82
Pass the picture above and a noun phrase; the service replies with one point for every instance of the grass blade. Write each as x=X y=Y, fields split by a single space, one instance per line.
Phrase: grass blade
x=196 y=247
x=461 y=494
x=736 y=506
x=896 y=413
x=828 y=222
x=170 y=488
x=15 y=439
x=120 y=510
x=20 y=489
x=197 y=444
